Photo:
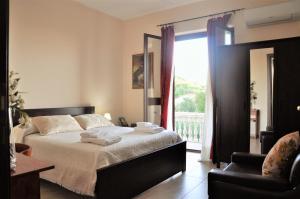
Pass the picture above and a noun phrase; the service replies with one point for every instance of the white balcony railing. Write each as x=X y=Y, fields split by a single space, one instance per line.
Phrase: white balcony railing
x=190 y=126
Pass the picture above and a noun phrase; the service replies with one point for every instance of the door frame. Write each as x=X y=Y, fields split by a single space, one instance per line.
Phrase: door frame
x=270 y=86
x=146 y=72
x=4 y=122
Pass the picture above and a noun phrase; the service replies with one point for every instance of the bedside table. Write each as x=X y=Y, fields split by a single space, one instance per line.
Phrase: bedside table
x=133 y=125
x=25 y=180
x=23 y=149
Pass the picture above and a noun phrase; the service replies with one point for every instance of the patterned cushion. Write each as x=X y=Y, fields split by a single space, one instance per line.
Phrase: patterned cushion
x=280 y=157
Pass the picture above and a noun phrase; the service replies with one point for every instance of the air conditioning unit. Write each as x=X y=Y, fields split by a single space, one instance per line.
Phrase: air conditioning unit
x=278 y=13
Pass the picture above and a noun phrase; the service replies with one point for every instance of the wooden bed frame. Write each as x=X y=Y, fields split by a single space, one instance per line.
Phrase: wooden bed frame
x=128 y=178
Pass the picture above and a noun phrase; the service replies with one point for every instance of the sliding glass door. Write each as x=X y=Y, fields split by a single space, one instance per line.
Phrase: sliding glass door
x=152 y=81
x=191 y=70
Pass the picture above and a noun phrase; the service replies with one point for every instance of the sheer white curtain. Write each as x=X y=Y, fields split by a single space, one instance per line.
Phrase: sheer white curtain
x=206 y=135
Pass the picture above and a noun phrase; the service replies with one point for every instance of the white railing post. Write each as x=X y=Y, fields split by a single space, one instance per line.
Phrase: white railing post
x=189 y=126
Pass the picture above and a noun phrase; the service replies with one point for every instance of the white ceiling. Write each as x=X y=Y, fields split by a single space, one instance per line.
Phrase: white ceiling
x=128 y=9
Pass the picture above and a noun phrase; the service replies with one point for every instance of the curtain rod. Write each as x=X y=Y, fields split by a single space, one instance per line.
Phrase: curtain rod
x=190 y=19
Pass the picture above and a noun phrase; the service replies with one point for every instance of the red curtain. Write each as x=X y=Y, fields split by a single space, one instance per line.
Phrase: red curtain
x=215 y=36
x=167 y=48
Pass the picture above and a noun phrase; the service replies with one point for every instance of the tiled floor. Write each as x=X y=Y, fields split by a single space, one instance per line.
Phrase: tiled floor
x=191 y=184
x=188 y=185
x=255 y=145
x=193 y=146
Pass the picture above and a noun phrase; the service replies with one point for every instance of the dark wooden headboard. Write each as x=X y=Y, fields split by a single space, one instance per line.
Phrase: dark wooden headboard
x=57 y=111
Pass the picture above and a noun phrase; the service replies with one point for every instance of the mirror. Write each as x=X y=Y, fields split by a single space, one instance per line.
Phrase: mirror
x=152 y=80
x=261 y=93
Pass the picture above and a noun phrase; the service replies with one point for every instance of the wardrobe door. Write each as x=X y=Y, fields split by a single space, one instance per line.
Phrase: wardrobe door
x=4 y=126
x=287 y=86
x=232 y=91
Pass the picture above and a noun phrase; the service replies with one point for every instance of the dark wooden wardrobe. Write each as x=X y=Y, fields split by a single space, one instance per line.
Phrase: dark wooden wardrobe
x=4 y=125
x=233 y=93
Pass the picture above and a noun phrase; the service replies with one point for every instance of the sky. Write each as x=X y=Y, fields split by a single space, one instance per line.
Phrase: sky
x=191 y=60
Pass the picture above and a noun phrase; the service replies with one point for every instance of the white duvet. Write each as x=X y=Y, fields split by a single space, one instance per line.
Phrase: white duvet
x=76 y=163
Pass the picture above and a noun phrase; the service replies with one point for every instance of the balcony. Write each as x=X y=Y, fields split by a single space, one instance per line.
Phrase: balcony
x=190 y=126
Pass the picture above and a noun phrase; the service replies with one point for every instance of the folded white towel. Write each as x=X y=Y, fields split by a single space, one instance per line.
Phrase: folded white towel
x=100 y=136
x=96 y=133
x=144 y=124
x=105 y=141
x=153 y=129
x=89 y=134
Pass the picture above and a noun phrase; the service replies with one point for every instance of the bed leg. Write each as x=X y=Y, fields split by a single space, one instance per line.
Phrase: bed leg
x=184 y=158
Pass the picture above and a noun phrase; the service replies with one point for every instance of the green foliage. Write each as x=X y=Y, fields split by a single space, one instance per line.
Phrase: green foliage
x=253 y=93
x=183 y=87
x=187 y=105
x=189 y=97
x=16 y=101
x=200 y=101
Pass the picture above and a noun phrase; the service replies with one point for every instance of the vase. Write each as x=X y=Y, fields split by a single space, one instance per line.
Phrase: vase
x=12 y=145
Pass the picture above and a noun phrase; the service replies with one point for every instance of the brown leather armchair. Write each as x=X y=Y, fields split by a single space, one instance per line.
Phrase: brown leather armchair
x=242 y=179
x=267 y=140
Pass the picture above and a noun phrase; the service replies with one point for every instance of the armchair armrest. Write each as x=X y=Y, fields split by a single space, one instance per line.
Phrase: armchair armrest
x=248 y=158
x=249 y=180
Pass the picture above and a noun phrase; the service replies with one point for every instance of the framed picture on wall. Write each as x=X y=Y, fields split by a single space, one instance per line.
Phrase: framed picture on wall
x=138 y=71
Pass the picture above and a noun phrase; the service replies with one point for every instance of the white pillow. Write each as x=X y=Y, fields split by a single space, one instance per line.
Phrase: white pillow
x=55 y=124
x=89 y=121
x=18 y=132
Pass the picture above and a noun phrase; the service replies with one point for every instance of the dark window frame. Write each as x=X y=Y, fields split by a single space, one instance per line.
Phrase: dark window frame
x=190 y=36
x=231 y=30
x=202 y=34
x=185 y=37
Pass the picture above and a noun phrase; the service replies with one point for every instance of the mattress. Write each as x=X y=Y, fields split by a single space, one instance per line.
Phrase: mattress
x=76 y=163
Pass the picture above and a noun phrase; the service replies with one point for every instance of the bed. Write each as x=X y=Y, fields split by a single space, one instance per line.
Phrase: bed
x=116 y=177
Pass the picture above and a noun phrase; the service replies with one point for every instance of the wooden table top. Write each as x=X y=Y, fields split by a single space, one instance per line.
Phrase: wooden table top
x=27 y=165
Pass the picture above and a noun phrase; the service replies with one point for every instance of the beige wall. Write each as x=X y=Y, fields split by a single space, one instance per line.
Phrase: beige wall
x=66 y=54
x=258 y=73
x=69 y=55
x=134 y=29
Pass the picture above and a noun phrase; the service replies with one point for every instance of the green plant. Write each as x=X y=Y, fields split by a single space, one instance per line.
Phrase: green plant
x=16 y=102
x=253 y=94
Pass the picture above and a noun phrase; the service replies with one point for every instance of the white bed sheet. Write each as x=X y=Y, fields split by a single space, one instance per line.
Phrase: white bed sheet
x=76 y=163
